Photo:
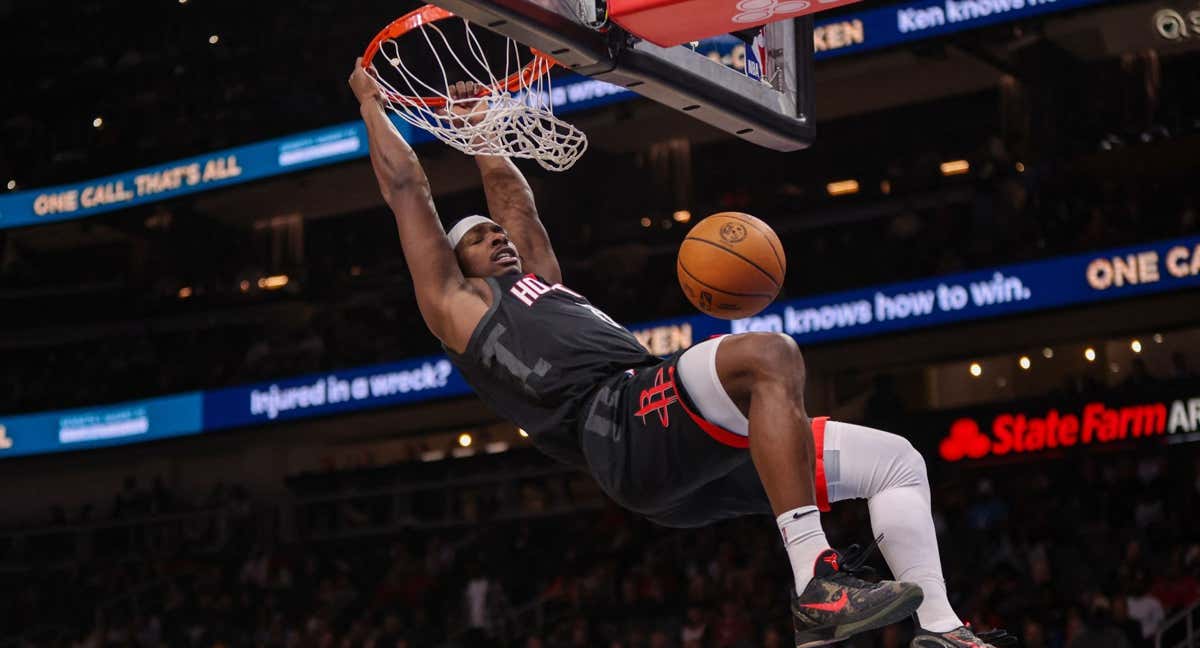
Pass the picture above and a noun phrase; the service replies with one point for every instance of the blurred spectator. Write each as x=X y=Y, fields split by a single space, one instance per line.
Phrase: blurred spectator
x=1100 y=632
x=772 y=638
x=989 y=510
x=1144 y=608
x=1033 y=635
x=485 y=607
x=659 y=639
x=1176 y=587
x=732 y=628
x=1130 y=629
x=694 y=627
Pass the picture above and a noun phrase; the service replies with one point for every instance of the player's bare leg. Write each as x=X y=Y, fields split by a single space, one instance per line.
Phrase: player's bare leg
x=763 y=374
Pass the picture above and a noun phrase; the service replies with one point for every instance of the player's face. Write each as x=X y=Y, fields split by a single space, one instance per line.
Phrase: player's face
x=485 y=251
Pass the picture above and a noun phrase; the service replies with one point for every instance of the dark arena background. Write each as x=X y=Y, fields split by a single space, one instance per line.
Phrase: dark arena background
x=223 y=423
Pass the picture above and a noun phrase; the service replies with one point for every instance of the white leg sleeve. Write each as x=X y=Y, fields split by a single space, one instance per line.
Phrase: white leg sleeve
x=889 y=473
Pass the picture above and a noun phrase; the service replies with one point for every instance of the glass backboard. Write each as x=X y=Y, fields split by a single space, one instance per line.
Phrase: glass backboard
x=769 y=103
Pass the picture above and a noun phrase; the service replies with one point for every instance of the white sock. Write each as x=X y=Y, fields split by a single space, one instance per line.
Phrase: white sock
x=804 y=540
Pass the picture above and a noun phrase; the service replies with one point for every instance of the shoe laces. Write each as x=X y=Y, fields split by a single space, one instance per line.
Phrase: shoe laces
x=853 y=563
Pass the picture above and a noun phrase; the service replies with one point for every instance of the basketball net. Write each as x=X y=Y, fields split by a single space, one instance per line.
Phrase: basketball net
x=510 y=115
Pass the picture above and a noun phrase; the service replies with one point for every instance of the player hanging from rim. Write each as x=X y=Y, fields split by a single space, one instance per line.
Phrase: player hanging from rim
x=664 y=438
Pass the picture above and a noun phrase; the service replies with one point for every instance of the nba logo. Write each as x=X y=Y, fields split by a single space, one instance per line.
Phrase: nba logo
x=756 y=58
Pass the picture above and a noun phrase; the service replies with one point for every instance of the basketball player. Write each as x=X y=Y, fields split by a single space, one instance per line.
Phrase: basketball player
x=665 y=438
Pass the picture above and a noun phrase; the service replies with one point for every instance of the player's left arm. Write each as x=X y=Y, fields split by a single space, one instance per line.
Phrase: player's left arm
x=509 y=197
x=510 y=203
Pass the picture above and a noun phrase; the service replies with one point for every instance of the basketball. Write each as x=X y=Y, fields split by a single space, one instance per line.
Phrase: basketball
x=731 y=265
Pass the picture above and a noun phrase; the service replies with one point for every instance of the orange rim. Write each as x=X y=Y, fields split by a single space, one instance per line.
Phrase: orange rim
x=432 y=13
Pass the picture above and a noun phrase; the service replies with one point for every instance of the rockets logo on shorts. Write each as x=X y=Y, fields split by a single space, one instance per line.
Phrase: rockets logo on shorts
x=656 y=399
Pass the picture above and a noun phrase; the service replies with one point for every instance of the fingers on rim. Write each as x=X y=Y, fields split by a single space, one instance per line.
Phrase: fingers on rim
x=464 y=89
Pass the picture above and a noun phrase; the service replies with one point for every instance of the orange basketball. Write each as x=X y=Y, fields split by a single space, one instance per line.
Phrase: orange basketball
x=731 y=265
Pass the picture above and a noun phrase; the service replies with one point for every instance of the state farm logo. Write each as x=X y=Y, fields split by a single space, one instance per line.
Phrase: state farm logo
x=965 y=440
x=753 y=11
x=1098 y=423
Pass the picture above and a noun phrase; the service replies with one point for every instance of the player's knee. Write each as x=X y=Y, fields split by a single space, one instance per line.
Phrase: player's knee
x=913 y=467
x=774 y=356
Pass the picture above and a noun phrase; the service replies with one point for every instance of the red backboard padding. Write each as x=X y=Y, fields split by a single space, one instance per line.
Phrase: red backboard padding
x=672 y=22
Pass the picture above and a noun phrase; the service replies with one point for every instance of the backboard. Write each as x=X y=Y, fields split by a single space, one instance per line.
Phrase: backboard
x=773 y=110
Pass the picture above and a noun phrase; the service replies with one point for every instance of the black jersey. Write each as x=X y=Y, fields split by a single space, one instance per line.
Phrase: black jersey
x=538 y=353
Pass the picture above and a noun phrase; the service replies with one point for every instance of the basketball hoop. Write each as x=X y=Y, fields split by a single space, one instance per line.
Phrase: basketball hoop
x=513 y=113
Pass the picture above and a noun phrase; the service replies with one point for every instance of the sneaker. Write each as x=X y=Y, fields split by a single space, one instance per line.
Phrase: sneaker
x=837 y=604
x=962 y=637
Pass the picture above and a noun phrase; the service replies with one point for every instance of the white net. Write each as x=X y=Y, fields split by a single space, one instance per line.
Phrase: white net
x=512 y=115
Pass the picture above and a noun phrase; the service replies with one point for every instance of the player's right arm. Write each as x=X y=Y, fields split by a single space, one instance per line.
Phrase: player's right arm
x=449 y=305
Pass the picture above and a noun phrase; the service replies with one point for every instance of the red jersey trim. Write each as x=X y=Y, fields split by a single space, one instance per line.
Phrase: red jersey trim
x=819 y=482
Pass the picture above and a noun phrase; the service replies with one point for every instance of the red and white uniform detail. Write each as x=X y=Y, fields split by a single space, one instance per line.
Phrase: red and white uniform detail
x=529 y=288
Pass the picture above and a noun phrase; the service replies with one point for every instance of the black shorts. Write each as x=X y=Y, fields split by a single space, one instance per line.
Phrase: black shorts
x=653 y=454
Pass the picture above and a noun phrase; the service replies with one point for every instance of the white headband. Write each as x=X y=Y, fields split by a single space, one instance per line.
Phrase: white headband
x=465 y=225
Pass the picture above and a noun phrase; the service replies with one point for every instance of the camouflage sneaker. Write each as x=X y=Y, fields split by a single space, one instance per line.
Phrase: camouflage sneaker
x=837 y=605
x=962 y=637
